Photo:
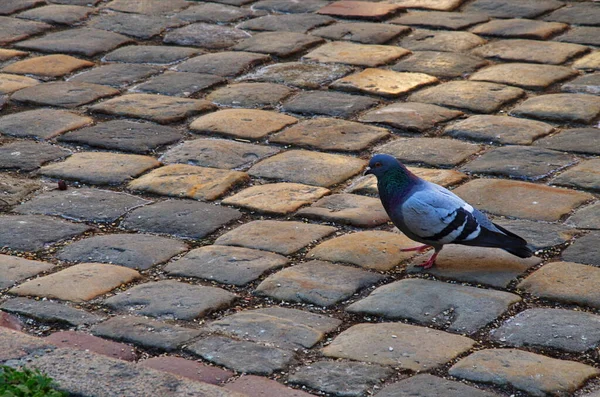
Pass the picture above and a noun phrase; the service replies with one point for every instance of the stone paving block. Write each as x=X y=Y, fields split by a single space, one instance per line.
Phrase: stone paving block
x=359 y=10
x=76 y=2
x=227 y=265
x=81 y=41
x=520 y=28
x=57 y=14
x=14 y=190
x=581 y=35
x=588 y=62
x=124 y=135
x=48 y=66
x=225 y=64
x=304 y=75
x=50 y=311
x=581 y=108
x=534 y=51
x=159 y=108
x=242 y=123
x=320 y=169
x=439 y=5
x=14 y=344
x=10 y=322
x=6 y=54
x=100 y=168
x=12 y=29
x=511 y=367
x=440 y=64
x=178 y=84
x=63 y=94
x=281 y=44
x=331 y=134
x=86 y=342
x=182 y=218
x=577 y=14
x=514 y=8
x=148 y=7
x=15 y=269
x=520 y=162
x=584 y=250
x=258 y=386
x=283 y=6
x=188 y=181
x=139 y=26
x=351 y=209
x=317 y=282
x=281 y=327
x=12 y=6
x=82 y=204
x=161 y=55
x=188 y=369
x=28 y=156
x=410 y=116
x=300 y=23
x=434 y=40
x=441 y=19
x=562 y=329
x=85 y=373
x=283 y=237
x=340 y=378
x=78 y=283
x=376 y=250
x=480 y=97
x=499 y=129
x=41 y=123
x=565 y=282
x=526 y=75
x=204 y=35
x=585 y=175
x=587 y=217
x=135 y=251
x=171 y=300
x=355 y=54
x=214 y=13
x=399 y=345
x=361 y=32
x=431 y=151
x=383 y=82
x=539 y=235
x=242 y=356
x=368 y=184
x=276 y=198
x=425 y=385
x=145 y=332
x=572 y=140
x=521 y=199
x=116 y=75
x=333 y=104
x=35 y=232
x=587 y=84
x=451 y=306
x=250 y=95
x=217 y=153
x=489 y=266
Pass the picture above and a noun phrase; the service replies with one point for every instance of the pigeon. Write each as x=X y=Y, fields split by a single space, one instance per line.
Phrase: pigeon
x=433 y=215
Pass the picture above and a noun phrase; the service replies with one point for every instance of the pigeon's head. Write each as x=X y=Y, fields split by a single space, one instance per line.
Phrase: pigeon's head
x=380 y=164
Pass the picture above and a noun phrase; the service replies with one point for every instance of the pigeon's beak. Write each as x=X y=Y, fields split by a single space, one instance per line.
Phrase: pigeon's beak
x=368 y=171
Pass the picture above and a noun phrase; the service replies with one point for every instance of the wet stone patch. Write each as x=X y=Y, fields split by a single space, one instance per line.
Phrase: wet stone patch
x=181 y=84
x=300 y=74
x=28 y=156
x=41 y=123
x=334 y=104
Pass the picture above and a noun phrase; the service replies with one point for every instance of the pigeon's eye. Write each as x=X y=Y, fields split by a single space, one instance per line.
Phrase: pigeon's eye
x=377 y=165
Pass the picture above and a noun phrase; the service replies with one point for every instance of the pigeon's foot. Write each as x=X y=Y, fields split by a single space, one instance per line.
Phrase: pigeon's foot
x=420 y=248
x=430 y=262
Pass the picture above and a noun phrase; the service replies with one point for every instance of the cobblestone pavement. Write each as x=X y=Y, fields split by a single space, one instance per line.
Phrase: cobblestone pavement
x=216 y=236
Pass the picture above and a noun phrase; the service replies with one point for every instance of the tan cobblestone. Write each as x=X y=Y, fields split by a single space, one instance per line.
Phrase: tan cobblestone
x=355 y=54
x=383 y=82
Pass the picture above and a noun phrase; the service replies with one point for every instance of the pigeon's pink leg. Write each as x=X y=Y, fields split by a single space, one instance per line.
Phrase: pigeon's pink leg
x=430 y=262
x=420 y=248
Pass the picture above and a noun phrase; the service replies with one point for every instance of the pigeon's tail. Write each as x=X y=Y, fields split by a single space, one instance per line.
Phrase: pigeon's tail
x=505 y=239
x=522 y=251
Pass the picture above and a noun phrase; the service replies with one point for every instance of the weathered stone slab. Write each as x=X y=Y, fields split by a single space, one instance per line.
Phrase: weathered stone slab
x=214 y=13
x=188 y=369
x=539 y=235
x=35 y=232
x=82 y=204
x=48 y=66
x=577 y=14
x=451 y=306
x=28 y=155
x=359 y=10
x=582 y=108
x=334 y=104
x=281 y=44
x=41 y=123
x=154 y=54
x=146 y=332
x=441 y=19
x=49 y=311
x=225 y=64
x=530 y=51
x=355 y=54
x=257 y=385
x=301 y=23
x=588 y=62
x=361 y=32
x=135 y=251
x=12 y=29
x=6 y=54
x=63 y=94
x=514 y=8
x=587 y=217
x=178 y=84
x=14 y=344
x=510 y=367
x=183 y=218
x=520 y=28
x=585 y=175
x=10 y=83
x=283 y=6
x=204 y=35
x=573 y=140
x=317 y=282
x=90 y=343
x=304 y=75
x=250 y=95
x=430 y=151
x=227 y=265
x=277 y=236
x=581 y=35
x=383 y=82
x=15 y=269
x=584 y=250
x=499 y=129
x=12 y=6
x=439 y=5
x=58 y=14
x=398 y=344
x=116 y=75
x=149 y=7
x=347 y=208
x=425 y=385
x=439 y=63
x=171 y=300
x=490 y=266
x=529 y=76
x=587 y=84
x=78 y=283
x=411 y=116
x=14 y=190
x=435 y=40
x=136 y=25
